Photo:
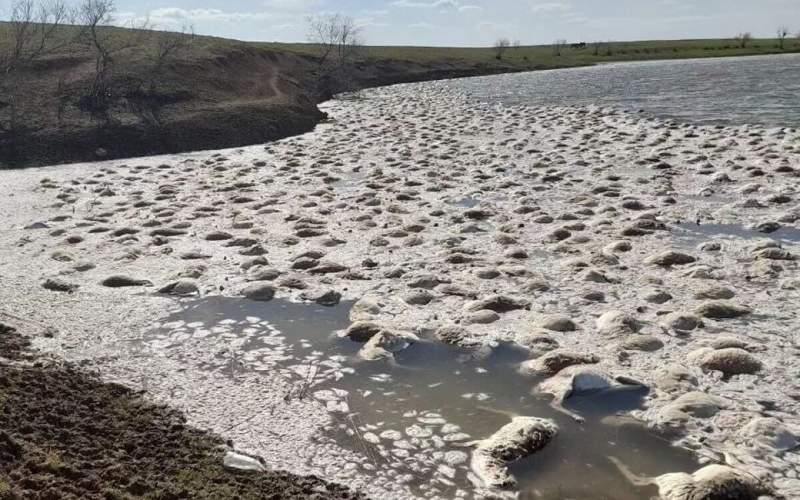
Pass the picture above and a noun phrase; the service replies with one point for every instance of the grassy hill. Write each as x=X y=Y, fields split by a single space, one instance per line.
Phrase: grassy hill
x=225 y=93
x=543 y=55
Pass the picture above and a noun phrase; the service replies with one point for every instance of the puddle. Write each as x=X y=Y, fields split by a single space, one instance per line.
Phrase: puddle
x=467 y=202
x=698 y=233
x=414 y=419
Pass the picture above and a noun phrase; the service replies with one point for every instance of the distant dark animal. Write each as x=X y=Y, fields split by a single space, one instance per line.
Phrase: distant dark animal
x=578 y=46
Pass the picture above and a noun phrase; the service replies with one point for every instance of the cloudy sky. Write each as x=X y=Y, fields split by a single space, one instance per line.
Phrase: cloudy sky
x=476 y=22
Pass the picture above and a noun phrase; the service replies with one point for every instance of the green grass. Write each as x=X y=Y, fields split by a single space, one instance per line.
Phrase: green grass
x=5 y=489
x=53 y=460
x=543 y=55
x=526 y=57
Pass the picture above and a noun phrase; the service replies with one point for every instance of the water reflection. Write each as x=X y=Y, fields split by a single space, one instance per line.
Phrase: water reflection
x=700 y=233
x=418 y=415
x=730 y=91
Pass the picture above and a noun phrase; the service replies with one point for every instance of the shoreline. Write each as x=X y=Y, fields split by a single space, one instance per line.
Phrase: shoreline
x=221 y=125
x=63 y=429
x=575 y=225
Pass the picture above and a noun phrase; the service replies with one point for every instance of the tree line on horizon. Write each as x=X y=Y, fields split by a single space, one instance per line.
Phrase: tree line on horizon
x=742 y=40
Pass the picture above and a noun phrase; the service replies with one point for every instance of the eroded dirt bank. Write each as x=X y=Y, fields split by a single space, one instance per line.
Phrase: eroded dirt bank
x=65 y=434
x=616 y=249
x=218 y=95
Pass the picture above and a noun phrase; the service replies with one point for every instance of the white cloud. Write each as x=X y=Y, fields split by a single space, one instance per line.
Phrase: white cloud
x=491 y=27
x=291 y=5
x=177 y=13
x=551 y=7
x=435 y=4
x=422 y=26
x=370 y=22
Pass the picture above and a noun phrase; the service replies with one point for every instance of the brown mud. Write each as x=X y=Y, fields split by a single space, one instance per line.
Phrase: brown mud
x=66 y=435
x=217 y=96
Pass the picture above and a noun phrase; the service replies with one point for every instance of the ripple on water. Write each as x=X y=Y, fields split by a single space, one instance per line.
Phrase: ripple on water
x=695 y=234
x=729 y=91
x=417 y=416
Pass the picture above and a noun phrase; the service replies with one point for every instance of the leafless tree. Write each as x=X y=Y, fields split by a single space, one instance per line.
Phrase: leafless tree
x=558 y=46
x=516 y=45
x=500 y=47
x=337 y=37
x=783 y=32
x=169 y=45
x=743 y=39
x=141 y=93
x=338 y=40
x=33 y=31
x=95 y=18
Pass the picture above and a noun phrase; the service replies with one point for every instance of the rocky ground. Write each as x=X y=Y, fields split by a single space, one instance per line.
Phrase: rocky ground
x=616 y=248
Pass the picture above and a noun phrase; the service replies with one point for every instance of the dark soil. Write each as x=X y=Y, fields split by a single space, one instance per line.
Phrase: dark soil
x=66 y=435
x=220 y=94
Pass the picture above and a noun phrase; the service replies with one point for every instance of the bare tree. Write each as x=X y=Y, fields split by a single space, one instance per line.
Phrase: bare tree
x=783 y=32
x=33 y=31
x=95 y=18
x=743 y=39
x=558 y=46
x=142 y=94
x=500 y=47
x=169 y=45
x=338 y=40
x=517 y=44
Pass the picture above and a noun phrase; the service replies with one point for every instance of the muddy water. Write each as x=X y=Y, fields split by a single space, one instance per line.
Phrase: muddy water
x=704 y=232
x=728 y=91
x=416 y=417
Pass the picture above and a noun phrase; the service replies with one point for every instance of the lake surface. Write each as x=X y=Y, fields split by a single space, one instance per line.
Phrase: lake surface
x=760 y=90
x=416 y=417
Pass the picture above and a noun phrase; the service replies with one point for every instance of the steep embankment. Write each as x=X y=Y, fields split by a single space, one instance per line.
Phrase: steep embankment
x=229 y=97
x=221 y=94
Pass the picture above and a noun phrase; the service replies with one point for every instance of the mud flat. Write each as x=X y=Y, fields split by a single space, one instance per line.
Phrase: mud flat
x=580 y=268
x=65 y=435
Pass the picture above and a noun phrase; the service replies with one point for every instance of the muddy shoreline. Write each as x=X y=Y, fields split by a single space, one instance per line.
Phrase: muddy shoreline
x=580 y=232
x=65 y=434
x=216 y=111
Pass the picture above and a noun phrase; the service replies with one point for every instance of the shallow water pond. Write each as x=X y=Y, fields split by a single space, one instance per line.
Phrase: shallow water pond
x=700 y=233
x=468 y=202
x=729 y=91
x=418 y=416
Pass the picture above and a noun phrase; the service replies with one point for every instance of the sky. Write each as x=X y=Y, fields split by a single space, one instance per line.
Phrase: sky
x=475 y=22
